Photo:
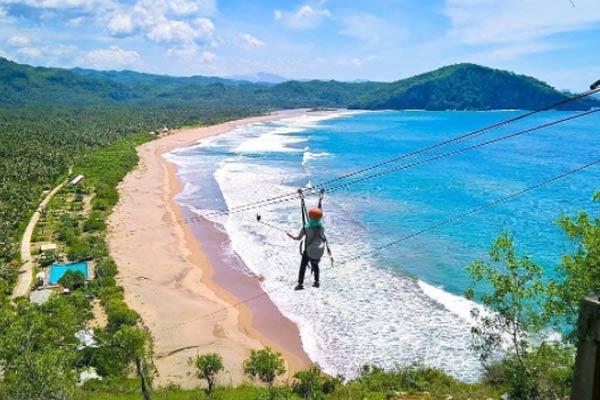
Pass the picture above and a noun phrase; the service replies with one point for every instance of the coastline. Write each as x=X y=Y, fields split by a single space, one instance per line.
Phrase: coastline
x=184 y=275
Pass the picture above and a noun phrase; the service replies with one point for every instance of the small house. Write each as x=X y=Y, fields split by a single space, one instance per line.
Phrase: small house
x=76 y=180
x=48 y=247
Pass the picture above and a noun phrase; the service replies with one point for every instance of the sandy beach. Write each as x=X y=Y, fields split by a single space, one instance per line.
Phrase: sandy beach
x=174 y=274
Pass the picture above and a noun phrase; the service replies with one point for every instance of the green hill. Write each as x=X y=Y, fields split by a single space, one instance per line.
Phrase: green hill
x=465 y=87
x=455 y=87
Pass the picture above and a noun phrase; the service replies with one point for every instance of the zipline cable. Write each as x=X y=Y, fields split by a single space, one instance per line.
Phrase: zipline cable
x=447 y=221
x=461 y=150
x=292 y=196
x=401 y=167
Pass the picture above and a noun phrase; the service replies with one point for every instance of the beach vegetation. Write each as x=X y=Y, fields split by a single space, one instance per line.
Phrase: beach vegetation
x=265 y=365
x=312 y=384
x=208 y=366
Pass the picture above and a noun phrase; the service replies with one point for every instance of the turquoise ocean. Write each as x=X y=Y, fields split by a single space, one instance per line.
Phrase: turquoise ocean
x=402 y=305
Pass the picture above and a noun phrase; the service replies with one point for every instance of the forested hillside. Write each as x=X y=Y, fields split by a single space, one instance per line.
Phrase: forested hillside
x=456 y=87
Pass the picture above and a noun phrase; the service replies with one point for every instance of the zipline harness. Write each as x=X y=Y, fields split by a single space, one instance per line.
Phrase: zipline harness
x=304 y=244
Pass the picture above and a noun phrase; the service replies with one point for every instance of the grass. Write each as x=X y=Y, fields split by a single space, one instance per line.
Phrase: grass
x=129 y=390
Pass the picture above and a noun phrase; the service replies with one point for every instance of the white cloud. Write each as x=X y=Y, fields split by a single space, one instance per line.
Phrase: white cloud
x=512 y=52
x=3 y=12
x=181 y=32
x=202 y=7
x=19 y=41
x=517 y=21
x=171 y=31
x=185 y=51
x=29 y=52
x=77 y=21
x=306 y=17
x=120 y=25
x=51 y=53
x=62 y=4
x=250 y=41
x=112 y=57
x=207 y=57
x=205 y=27
x=172 y=22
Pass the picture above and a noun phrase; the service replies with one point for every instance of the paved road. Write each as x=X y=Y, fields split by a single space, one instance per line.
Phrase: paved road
x=23 y=286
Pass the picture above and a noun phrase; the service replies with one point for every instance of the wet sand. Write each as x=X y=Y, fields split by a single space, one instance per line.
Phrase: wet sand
x=181 y=280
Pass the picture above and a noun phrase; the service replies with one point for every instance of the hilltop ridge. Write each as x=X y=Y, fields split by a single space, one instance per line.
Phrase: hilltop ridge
x=455 y=87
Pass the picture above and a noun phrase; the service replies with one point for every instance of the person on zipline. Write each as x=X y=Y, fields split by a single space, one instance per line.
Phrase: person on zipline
x=315 y=244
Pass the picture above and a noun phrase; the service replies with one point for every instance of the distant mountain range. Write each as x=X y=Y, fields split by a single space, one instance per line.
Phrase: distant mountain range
x=259 y=77
x=455 y=87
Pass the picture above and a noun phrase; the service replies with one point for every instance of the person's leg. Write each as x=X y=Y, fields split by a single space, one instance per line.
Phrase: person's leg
x=316 y=271
x=303 y=264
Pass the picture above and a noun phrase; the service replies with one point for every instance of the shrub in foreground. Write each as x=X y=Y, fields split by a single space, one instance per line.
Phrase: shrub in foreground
x=208 y=367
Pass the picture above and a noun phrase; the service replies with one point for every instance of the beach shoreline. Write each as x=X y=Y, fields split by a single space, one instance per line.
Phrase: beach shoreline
x=183 y=285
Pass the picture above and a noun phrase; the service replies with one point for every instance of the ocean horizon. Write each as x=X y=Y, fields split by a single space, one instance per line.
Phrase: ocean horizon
x=403 y=305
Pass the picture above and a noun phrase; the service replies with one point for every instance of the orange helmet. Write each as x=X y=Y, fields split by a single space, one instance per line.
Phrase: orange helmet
x=315 y=213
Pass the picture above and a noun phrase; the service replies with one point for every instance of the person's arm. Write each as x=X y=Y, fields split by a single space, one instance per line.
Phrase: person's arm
x=297 y=237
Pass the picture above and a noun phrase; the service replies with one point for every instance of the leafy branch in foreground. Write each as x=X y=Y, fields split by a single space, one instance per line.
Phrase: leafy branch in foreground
x=513 y=319
x=579 y=272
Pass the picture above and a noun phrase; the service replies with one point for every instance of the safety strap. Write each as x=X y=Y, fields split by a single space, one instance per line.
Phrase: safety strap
x=302 y=247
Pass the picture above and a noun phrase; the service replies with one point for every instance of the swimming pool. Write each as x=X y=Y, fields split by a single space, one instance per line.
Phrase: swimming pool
x=58 y=270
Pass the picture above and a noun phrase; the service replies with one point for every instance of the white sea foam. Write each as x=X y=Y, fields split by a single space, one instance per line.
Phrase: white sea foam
x=282 y=138
x=458 y=305
x=362 y=314
x=308 y=156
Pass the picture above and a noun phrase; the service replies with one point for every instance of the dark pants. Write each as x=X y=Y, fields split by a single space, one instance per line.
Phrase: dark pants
x=303 y=264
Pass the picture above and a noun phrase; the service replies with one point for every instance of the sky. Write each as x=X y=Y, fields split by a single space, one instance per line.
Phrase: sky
x=557 y=41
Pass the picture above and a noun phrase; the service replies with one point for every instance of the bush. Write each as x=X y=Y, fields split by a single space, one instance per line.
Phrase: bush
x=79 y=251
x=72 y=280
x=265 y=365
x=311 y=384
x=106 y=267
x=119 y=314
x=94 y=223
x=546 y=374
x=207 y=367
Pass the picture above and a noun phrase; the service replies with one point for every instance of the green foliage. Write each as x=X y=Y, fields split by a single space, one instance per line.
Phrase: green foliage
x=311 y=384
x=48 y=258
x=72 y=280
x=208 y=367
x=579 y=274
x=119 y=314
x=460 y=86
x=128 y=390
x=40 y=375
x=37 y=347
x=515 y=300
x=79 y=251
x=265 y=365
x=95 y=222
x=548 y=375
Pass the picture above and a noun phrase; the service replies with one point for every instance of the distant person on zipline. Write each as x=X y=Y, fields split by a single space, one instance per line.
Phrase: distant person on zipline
x=315 y=243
